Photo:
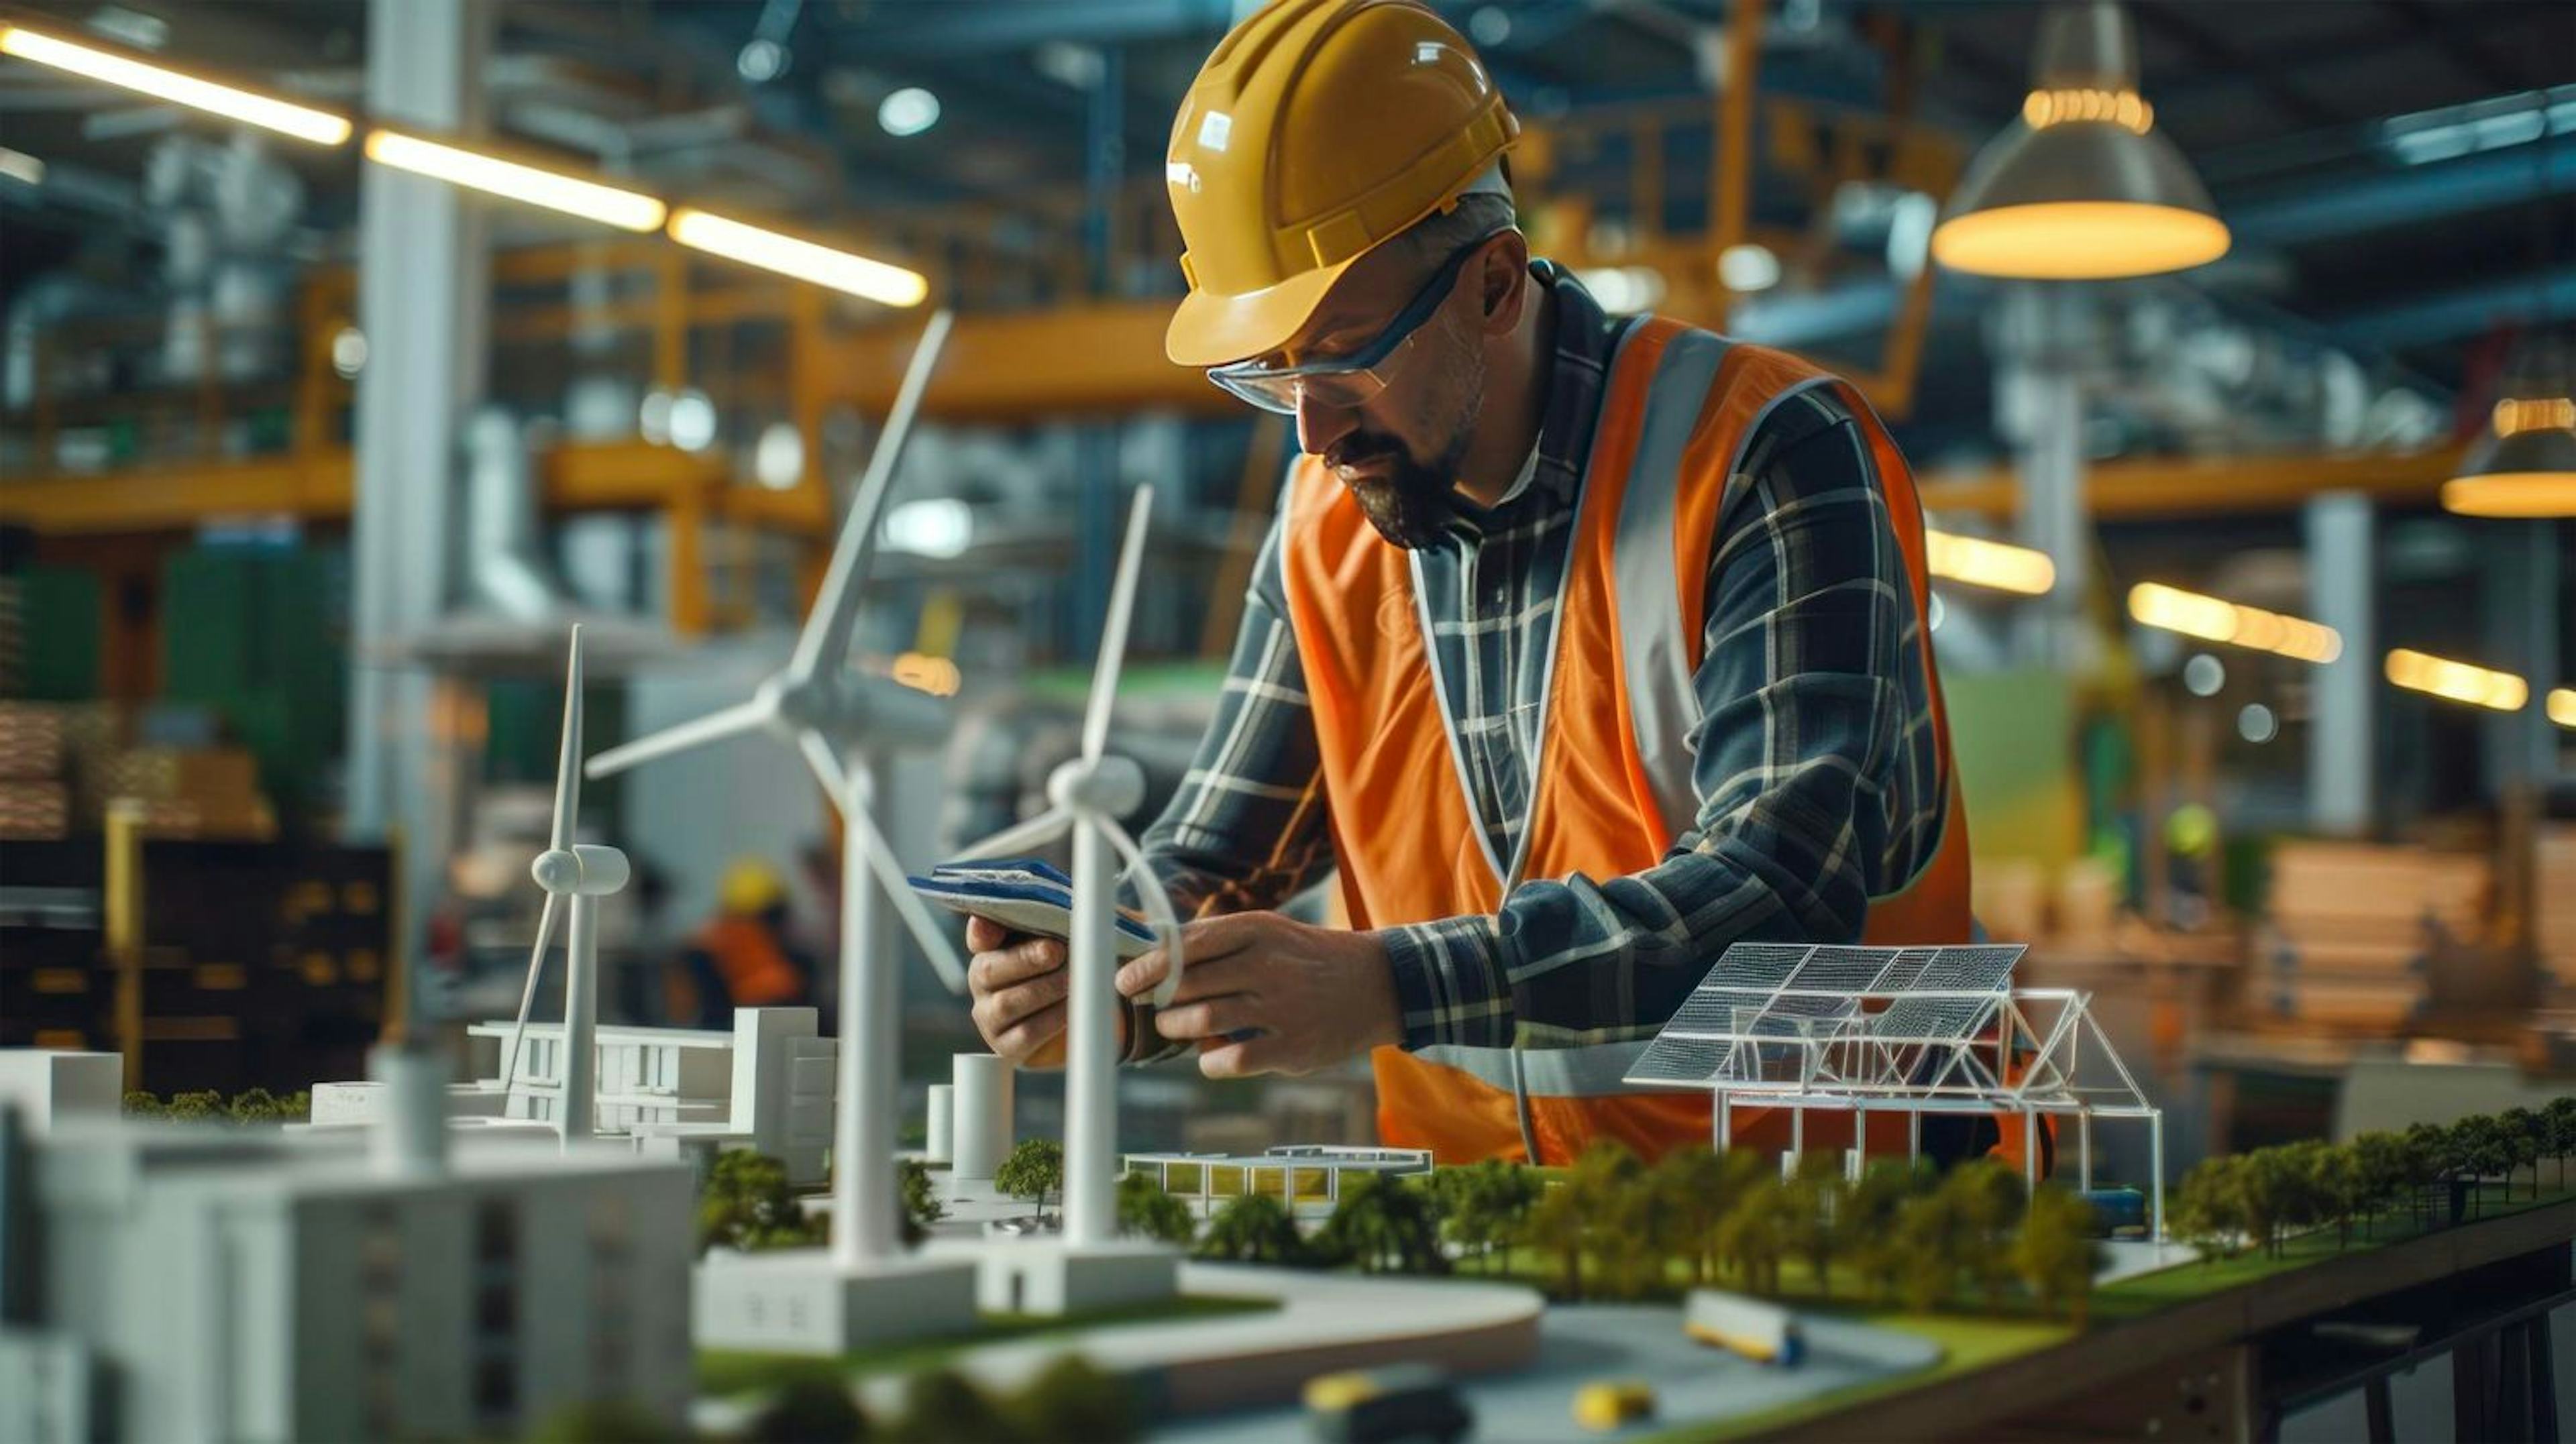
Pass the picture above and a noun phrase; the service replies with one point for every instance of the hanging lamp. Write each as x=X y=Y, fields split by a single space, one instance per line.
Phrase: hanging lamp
x=2524 y=462
x=2082 y=186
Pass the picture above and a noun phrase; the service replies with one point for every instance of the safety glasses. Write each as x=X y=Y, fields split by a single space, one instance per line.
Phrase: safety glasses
x=1354 y=377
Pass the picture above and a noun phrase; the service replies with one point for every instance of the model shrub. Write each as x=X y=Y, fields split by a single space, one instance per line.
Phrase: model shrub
x=1034 y=1170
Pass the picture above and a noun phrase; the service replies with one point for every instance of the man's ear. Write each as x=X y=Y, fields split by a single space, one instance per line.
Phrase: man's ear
x=1505 y=280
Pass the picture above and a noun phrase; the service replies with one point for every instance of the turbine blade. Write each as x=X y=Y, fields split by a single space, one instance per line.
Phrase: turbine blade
x=826 y=638
x=907 y=903
x=1158 y=904
x=824 y=764
x=715 y=726
x=1113 y=633
x=568 y=765
x=1016 y=839
x=528 y=994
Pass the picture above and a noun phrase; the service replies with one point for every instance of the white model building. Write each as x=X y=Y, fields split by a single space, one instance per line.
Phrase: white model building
x=224 y=1284
x=1905 y=1031
x=50 y=1086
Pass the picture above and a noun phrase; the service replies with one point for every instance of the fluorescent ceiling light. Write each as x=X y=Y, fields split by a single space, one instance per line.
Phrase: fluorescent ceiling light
x=1981 y=563
x=804 y=260
x=21 y=167
x=2457 y=681
x=2496 y=123
x=2562 y=706
x=626 y=210
x=318 y=126
x=2214 y=619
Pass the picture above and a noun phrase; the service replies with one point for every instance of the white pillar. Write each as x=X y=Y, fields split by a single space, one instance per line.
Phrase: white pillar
x=2341 y=579
x=410 y=1136
x=2084 y=1150
x=2039 y=398
x=943 y=1119
x=864 y=1229
x=579 y=1114
x=1091 y=1049
x=423 y=290
x=980 y=1137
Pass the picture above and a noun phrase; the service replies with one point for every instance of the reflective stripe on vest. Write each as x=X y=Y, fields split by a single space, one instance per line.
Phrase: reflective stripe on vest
x=1612 y=787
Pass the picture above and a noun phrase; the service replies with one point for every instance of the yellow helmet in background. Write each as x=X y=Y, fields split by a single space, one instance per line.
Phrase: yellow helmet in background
x=1317 y=130
x=750 y=886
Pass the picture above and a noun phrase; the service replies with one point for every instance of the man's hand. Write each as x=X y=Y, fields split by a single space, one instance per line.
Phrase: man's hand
x=1018 y=983
x=1263 y=993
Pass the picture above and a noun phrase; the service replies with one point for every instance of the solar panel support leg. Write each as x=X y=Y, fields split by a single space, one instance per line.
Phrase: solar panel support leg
x=1913 y=1138
x=1721 y=1133
x=2084 y=1151
x=2156 y=1175
x=2030 y=1149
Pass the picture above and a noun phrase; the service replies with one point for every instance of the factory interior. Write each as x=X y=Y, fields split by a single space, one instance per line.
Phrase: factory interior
x=354 y=352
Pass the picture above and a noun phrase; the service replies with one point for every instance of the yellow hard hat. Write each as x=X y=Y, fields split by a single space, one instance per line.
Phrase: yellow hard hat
x=751 y=885
x=1317 y=130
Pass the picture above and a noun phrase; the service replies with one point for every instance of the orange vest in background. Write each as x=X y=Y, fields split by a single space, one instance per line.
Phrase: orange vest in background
x=1612 y=788
x=756 y=970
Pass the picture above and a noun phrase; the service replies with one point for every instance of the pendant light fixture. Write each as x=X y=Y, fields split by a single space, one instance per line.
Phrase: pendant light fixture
x=2524 y=463
x=2082 y=186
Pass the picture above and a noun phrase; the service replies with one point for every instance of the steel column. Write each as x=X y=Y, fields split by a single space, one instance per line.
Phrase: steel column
x=423 y=289
x=2341 y=578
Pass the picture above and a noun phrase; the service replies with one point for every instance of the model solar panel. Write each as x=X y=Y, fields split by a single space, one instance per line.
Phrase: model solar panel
x=1766 y=1008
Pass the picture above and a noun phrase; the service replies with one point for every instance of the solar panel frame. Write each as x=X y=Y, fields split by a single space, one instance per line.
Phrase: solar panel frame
x=1763 y=1006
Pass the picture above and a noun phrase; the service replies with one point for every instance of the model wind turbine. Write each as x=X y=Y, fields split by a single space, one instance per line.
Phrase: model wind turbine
x=1089 y=795
x=844 y=724
x=582 y=874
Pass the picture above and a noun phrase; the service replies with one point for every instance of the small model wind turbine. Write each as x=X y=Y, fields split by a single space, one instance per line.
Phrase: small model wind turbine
x=1089 y=794
x=820 y=705
x=583 y=874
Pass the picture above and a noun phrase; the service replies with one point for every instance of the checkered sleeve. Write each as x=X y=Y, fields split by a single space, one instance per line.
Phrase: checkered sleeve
x=1814 y=763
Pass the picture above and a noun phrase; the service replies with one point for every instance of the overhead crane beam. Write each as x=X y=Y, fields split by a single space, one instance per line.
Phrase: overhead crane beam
x=2161 y=487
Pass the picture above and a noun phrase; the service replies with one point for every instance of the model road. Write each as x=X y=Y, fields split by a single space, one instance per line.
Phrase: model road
x=1584 y=1342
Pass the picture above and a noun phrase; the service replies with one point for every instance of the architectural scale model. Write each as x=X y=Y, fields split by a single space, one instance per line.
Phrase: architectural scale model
x=845 y=724
x=1090 y=1266
x=195 y=1282
x=1912 y=1031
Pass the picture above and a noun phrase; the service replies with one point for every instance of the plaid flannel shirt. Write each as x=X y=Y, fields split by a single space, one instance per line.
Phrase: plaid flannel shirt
x=1815 y=764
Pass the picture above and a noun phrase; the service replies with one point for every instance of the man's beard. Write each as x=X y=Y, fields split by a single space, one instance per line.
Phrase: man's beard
x=1409 y=503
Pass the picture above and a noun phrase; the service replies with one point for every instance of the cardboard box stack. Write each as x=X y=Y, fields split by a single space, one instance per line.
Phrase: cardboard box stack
x=2350 y=922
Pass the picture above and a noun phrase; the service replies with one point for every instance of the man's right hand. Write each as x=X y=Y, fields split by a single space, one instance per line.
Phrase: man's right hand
x=1018 y=983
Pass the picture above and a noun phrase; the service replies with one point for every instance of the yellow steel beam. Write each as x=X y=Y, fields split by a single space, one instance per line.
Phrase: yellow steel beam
x=2206 y=486
x=1078 y=359
x=578 y=476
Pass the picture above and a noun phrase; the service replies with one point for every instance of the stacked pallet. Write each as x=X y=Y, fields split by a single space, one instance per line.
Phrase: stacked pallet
x=2355 y=923
x=192 y=791
x=2554 y=909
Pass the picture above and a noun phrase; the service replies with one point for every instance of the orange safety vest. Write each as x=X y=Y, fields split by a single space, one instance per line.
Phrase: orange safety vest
x=1612 y=788
x=747 y=955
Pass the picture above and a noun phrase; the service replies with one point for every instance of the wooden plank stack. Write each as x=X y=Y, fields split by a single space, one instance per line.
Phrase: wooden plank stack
x=2554 y=909
x=2354 y=925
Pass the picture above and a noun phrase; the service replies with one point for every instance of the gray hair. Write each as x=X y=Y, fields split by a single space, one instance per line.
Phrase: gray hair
x=1476 y=215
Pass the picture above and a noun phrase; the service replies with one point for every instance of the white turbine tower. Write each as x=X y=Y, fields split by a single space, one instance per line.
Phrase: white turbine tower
x=1090 y=794
x=845 y=724
x=583 y=874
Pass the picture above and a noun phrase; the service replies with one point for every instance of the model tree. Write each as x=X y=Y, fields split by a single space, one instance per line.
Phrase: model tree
x=1872 y=1206
x=2206 y=1211
x=2055 y=1254
x=2525 y=1138
x=943 y=1406
x=1986 y=1199
x=1818 y=1216
x=747 y=1205
x=1693 y=1185
x=2433 y=1154
x=1928 y=1249
x=1071 y=1402
x=1756 y=1232
x=1253 y=1228
x=1146 y=1211
x=809 y=1410
x=2380 y=1160
x=1033 y=1170
x=921 y=1205
x=2479 y=1150
x=1383 y=1225
x=1483 y=1205
x=2559 y=1119
x=1556 y=1226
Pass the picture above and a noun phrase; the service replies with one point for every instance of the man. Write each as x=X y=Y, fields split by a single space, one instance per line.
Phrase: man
x=741 y=957
x=1583 y=649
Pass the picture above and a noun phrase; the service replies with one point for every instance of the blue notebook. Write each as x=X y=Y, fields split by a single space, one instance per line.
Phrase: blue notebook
x=1025 y=895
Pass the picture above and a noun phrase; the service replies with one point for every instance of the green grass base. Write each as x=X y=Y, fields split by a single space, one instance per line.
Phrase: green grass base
x=726 y=1372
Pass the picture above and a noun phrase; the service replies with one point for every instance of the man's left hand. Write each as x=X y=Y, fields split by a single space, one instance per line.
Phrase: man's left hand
x=1264 y=993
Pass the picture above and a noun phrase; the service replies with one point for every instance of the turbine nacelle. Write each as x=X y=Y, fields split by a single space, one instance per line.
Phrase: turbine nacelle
x=582 y=870
x=1107 y=786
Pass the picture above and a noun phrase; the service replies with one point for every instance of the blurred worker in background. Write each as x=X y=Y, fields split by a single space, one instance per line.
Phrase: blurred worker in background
x=742 y=957
x=1583 y=647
